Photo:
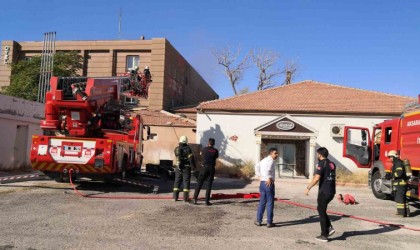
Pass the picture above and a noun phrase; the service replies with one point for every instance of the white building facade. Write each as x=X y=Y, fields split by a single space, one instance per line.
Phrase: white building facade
x=241 y=137
x=245 y=133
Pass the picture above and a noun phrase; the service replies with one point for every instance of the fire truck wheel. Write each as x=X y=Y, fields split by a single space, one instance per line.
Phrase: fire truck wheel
x=376 y=186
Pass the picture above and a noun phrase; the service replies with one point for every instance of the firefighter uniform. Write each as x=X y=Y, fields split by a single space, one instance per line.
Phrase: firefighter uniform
x=210 y=154
x=399 y=183
x=184 y=163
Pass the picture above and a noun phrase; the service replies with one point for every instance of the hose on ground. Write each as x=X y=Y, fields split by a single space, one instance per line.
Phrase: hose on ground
x=242 y=196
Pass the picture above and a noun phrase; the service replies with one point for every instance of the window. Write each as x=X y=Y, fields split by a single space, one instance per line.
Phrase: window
x=388 y=134
x=132 y=61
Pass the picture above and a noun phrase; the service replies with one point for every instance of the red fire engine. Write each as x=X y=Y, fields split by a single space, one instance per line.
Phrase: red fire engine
x=401 y=134
x=88 y=128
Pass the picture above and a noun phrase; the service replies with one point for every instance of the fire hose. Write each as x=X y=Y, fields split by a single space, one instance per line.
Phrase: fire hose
x=351 y=216
x=220 y=196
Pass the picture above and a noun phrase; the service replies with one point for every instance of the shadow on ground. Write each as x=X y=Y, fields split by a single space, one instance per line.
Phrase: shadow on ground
x=380 y=230
x=226 y=202
x=310 y=219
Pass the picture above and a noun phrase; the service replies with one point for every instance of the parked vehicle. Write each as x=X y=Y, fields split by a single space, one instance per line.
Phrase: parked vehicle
x=89 y=128
x=371 y=150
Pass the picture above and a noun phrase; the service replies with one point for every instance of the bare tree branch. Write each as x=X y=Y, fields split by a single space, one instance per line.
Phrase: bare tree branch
x=290 y=70
x=227 y=57
x=244 y=91
x=266 y=60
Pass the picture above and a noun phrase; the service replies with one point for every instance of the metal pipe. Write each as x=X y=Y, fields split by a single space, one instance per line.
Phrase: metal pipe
x=41 y=70
x=47 y=66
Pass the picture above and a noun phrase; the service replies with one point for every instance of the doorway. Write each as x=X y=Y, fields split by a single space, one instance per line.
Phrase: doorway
x=286 y=162
x=20 y=147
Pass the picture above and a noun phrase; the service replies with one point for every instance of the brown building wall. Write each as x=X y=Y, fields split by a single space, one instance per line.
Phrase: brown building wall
x=183 y=84
x=11 y=49
x=175 y=81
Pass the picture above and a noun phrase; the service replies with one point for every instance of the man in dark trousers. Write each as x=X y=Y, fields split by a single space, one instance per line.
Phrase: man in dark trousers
x=399 y=183
x=183 y=164
x=325 y=175
x=210 y=154
x=265 y=171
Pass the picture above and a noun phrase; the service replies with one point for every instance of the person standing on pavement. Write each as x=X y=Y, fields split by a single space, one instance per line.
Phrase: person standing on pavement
x=399 y=184
x=183 y=164
x=210 y=154
x=265 y=170
x=325 y=175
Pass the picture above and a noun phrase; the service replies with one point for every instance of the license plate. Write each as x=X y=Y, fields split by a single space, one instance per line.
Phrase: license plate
x=72 y=148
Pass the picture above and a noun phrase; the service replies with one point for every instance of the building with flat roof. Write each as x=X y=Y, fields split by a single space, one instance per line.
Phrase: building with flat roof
x=175 y=82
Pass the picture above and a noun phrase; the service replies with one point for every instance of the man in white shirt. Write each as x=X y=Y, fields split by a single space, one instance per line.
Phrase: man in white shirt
x=265 y=170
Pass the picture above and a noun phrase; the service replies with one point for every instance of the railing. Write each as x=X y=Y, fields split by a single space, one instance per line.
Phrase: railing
x=287 y=167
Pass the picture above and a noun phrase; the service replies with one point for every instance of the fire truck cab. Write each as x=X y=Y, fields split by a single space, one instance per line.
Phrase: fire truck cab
x=370 y=150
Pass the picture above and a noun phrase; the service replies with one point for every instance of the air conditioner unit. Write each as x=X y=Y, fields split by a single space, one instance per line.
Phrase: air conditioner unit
x=337 y=130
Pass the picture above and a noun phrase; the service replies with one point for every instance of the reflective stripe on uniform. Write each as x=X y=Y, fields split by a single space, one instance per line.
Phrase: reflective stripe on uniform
x=186 y=190
x=400 y=183
x=176 y=189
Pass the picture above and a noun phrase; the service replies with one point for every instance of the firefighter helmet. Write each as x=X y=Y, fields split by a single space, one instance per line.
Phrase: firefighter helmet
x=392 y=153
x=183 y=139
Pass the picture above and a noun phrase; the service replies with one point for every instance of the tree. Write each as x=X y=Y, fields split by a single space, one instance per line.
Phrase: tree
x=266 y=60
x=25 y=74
x=290 y=69
x=243 y=91
x=227 y=58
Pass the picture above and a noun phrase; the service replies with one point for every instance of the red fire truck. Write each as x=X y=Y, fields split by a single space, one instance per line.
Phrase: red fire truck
x=88 y=128
x=371 y=151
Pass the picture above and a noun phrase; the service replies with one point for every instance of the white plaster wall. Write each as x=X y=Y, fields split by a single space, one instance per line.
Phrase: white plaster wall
x=14 y=112
x=335 y=145
x=223 y=126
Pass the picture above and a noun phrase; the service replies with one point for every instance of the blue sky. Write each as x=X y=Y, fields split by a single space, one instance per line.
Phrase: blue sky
x=372 y=45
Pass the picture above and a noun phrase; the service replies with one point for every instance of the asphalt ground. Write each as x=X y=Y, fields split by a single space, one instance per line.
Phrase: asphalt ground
x=48 y=215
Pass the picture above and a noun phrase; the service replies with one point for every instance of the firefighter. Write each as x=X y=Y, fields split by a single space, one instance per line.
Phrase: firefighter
x=183 y=164
x=146 y=72
x=399 y=184
x=210 y=154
